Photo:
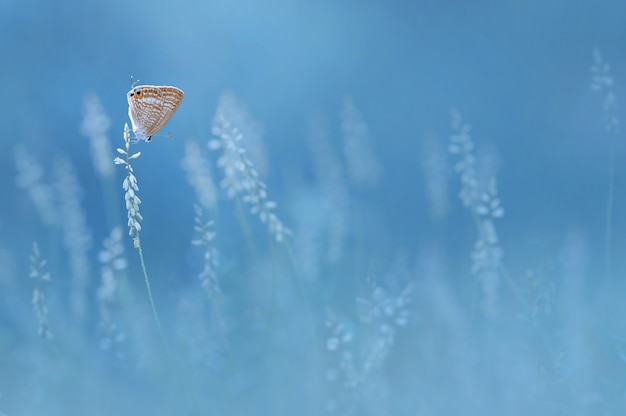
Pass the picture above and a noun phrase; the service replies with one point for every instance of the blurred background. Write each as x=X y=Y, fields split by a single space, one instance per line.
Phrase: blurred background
x=449 y=173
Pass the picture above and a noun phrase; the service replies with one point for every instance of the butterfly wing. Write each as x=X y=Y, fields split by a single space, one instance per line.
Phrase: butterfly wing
x=171 y=99
x=151 y=107
x=136 y=118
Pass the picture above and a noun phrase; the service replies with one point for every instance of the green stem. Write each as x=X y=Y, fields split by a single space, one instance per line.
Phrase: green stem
x=154 y=311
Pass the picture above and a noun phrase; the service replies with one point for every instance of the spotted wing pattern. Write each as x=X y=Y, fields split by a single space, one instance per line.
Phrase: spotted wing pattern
x=150 y=107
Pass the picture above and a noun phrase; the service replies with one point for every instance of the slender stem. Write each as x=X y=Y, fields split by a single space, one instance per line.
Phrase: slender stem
x=272 y=282
x=609 y=208
x=154 y=311
x=180 y=379
x=245 y=226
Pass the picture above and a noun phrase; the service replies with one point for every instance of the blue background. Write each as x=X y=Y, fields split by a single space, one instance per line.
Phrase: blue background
x=518 y=71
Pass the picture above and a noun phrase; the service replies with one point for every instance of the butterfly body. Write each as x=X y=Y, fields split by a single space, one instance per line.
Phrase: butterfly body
x=150 y=107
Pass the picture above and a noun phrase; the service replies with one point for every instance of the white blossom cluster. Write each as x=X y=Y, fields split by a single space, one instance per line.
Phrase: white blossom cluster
x=206 y=235
x=77 y=237
x=199 y=175
x=37 y=265
x=354 y=364
x=30 y=178
x=332 y=181
x=241 y=177
x=364 y=169
x=383 y=312
x=461 y=144
x=112 y=262
x=94 y=126
x=487 y=253
x=342 y=374
x=486 y=207
x=233 y=110
x=130 y=188
x=603 y=82
x=59 y=204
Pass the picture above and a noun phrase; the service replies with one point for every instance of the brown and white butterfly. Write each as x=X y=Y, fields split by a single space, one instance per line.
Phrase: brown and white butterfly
x=150 y=107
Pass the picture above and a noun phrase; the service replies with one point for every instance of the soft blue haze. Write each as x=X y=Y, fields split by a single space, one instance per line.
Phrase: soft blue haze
x=379 y=302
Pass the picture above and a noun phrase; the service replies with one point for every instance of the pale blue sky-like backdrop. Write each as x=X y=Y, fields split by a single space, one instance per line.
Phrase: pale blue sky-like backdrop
x=363 y=121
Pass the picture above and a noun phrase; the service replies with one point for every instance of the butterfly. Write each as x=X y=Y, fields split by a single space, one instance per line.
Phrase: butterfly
x=150 y=107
